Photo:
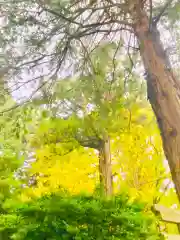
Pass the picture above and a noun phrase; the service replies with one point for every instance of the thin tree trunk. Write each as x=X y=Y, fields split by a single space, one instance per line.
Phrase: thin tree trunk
x=163 y=93
x=105 y=171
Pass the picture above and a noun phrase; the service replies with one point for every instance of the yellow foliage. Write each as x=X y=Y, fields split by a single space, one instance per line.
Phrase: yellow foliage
x=76 y=172
x=137 y=158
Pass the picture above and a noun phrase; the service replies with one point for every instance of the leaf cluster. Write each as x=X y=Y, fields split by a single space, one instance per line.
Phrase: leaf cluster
x=79 y=217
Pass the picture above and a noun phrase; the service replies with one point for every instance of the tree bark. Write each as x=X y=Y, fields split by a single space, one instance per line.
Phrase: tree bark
x=105 y=171
x=163 y=92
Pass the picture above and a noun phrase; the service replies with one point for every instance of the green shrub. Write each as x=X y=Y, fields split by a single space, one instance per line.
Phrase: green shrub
x=79 y=217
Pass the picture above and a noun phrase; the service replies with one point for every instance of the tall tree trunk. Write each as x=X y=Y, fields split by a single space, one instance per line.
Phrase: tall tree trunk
x=105 y=171
x=163 y=92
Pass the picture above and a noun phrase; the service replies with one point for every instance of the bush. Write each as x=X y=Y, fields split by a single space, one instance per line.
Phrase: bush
x=79 y=217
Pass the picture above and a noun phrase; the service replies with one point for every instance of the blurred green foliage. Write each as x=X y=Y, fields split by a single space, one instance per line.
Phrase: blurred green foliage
x=78 y=217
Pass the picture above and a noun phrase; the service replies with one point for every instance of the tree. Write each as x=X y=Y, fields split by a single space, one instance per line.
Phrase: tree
x=137 y=157
x=90 y=108
x=12 y=148
x=67 y=27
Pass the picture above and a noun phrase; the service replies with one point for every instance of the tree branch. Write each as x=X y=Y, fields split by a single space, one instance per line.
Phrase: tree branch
x=90 y=142
x=119 y=5
x=150 y=15
x=158 y=17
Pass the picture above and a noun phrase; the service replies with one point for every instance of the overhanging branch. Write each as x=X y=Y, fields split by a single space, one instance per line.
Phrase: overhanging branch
x=90 y=142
